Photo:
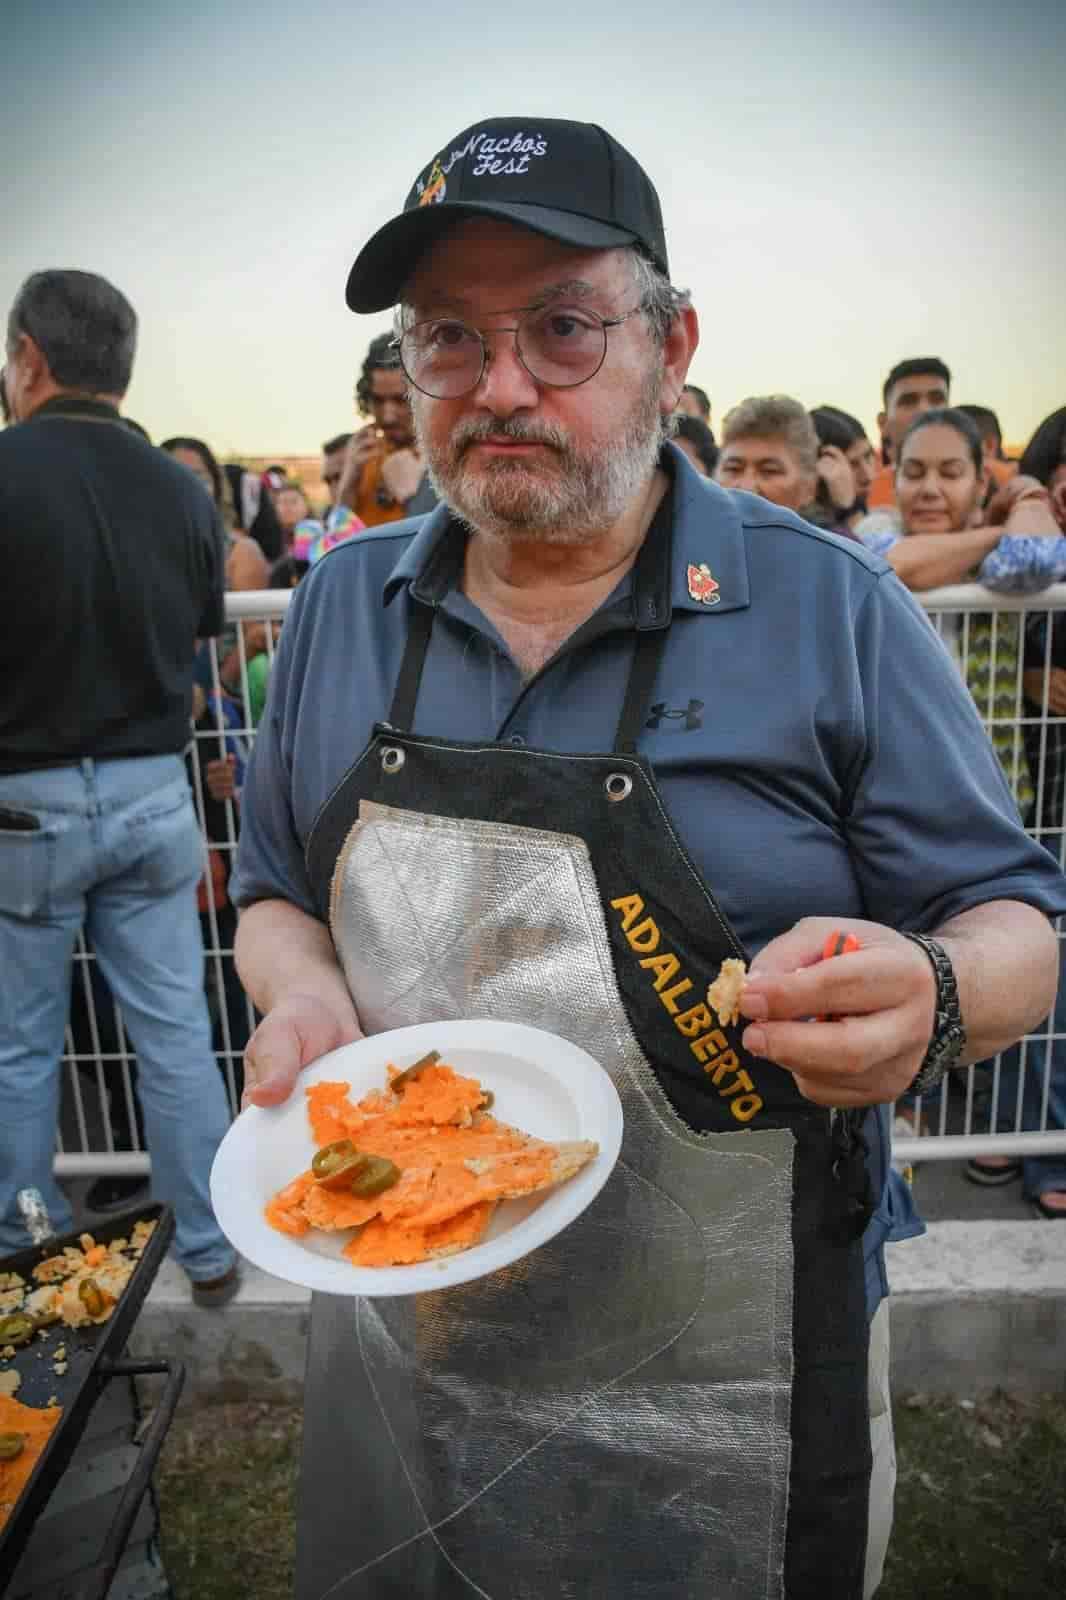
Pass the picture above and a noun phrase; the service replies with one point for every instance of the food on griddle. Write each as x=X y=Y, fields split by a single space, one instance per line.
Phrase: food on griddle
x=417 y=1167
x=723 y=995
x=77 y=1287
x=24 y=1432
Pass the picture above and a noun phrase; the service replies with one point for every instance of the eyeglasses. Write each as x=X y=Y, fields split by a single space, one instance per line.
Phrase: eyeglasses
x=559 y=346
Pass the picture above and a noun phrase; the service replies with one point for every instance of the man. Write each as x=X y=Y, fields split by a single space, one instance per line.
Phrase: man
x=695 y=402
x=697 y=441
x=625 y=686
x=334 y=452
x=999 y=469
x=915 y=385
x=114 y=559
x=384 y=474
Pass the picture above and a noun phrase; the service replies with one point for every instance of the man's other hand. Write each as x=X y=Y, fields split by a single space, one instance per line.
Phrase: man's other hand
x=881 y=999
x=296 y=1032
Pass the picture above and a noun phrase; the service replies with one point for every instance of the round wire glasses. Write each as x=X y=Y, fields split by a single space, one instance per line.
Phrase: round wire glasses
x=558 y=346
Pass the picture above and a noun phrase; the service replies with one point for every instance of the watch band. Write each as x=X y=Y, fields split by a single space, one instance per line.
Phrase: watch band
x=949 y=1032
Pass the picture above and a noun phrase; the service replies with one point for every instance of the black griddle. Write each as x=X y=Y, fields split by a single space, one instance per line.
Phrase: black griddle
x=93 y=1357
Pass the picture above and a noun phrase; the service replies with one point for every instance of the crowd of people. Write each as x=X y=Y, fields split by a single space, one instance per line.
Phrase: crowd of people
x=98 y=831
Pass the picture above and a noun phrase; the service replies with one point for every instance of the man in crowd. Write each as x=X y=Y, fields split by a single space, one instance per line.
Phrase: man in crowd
x=334 y=452
x=697 y=441
x=678 y=1393
x=915 y=385
x=114 y=560
x=384 y=477
x=695 y=402
x=998 y=468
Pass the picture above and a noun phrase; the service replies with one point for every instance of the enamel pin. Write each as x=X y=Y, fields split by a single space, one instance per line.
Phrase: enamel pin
x=701 y=586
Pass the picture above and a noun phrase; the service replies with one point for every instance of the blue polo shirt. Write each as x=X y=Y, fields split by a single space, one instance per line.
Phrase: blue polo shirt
x=811 y=737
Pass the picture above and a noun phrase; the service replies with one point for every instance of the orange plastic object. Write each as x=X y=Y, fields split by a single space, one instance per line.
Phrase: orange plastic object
x=837 y=944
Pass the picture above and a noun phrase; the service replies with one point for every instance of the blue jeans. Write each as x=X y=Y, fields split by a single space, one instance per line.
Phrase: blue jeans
x=119 y=854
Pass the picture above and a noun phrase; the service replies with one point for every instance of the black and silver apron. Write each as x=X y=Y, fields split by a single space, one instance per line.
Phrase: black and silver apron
x=668 y=1399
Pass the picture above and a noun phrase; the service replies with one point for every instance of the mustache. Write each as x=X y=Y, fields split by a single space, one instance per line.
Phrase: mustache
x=475 y=429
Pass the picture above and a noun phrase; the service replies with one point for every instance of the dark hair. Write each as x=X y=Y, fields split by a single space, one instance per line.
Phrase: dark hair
x=699 y=436
x=200 y=449
x=278 y=468
x=986 y=421
x=381 y=357
x=1046 y=450
x=338 y=442
x=947 y=417
x=701 y=397
x=837 y=427
x=287 y=572
x=916 y=367
x=135 y=427
x=85 y=328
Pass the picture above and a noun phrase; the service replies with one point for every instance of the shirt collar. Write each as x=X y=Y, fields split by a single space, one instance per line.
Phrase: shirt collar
x=707 y=534
x=76 y=405
x=710 y=561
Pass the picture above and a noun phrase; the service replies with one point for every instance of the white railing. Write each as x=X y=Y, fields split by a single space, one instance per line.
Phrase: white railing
x=1005 y=1107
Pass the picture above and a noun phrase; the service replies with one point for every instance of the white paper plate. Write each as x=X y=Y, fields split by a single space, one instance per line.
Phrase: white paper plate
x=543 y=1084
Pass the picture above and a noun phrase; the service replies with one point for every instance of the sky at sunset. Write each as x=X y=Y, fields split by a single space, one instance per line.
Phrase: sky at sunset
x=842 y=186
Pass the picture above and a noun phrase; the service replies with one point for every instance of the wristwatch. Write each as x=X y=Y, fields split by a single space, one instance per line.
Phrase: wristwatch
x=949 y=1034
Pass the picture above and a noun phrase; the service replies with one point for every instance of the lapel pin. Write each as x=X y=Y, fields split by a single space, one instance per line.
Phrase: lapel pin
x=701 y=585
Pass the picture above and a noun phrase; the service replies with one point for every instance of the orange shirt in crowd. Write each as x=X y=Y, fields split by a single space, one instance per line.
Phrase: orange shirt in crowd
x=882 y=491
x=373 y=503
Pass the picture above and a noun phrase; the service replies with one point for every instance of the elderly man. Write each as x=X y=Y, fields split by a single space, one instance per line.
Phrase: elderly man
x=498 y=809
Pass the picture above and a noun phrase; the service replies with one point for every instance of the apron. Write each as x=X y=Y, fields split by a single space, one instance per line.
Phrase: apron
x=668 y=1399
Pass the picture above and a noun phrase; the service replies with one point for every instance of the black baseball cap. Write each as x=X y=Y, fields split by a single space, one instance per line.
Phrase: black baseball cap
x=568 y=180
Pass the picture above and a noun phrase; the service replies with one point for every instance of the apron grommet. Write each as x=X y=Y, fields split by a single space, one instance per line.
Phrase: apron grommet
x=392 y=758
x=619 y=786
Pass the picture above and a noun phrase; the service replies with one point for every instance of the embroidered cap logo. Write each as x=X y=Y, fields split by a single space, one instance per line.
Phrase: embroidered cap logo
x=701 y=585
x=436 y=187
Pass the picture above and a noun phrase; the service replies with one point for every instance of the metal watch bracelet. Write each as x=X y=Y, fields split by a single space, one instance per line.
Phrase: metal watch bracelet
x=949 y=1033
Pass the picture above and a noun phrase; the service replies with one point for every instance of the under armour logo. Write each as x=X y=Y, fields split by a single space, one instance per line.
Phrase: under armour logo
x=692 y=718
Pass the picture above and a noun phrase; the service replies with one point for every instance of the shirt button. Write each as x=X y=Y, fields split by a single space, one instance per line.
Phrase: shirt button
x=517 y=740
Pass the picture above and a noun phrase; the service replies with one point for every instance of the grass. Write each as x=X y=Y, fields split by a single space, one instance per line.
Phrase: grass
x=980 y=1501
x=980 y=1504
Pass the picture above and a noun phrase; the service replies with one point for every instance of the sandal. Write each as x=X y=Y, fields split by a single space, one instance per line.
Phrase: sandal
x=983 y=1171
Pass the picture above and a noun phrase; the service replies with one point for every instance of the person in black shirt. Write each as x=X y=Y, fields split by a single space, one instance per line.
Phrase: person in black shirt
x=115 y=556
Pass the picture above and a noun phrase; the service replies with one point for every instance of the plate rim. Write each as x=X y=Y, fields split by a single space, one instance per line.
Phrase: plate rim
x=514 y=1038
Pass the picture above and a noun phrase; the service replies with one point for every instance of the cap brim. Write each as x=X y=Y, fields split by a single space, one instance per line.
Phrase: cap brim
x=387 y=260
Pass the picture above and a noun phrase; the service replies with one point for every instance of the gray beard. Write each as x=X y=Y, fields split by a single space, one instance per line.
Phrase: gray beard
x=572 y=504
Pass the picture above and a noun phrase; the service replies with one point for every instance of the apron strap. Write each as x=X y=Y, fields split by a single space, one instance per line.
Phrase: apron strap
x=419 y=628
x=646 y=658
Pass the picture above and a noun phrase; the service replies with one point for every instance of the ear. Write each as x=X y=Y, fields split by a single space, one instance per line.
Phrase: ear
x=33 y=359
x=678 y=350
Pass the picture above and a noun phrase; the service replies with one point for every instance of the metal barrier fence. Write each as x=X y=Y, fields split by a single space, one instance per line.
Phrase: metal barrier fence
x=1014 y=1105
